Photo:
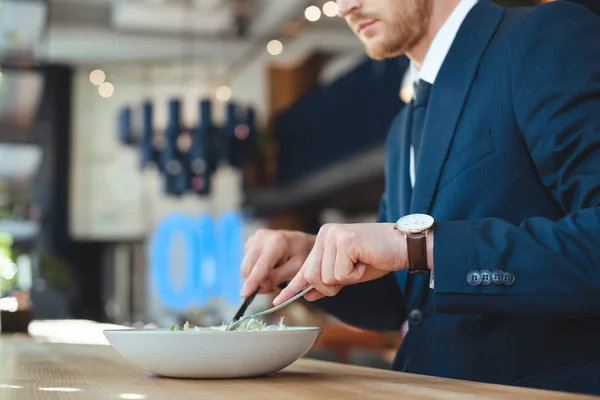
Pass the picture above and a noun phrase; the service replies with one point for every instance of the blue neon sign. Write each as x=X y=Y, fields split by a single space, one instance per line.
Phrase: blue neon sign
x=209 y=248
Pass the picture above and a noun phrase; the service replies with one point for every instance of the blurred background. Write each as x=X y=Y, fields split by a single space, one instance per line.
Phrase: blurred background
x=143 y=141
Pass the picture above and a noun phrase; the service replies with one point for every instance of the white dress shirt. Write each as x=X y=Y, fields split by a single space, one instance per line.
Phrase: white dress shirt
x=436 y=55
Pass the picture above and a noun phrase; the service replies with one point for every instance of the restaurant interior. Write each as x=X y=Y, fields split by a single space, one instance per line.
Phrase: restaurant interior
x=143 y=141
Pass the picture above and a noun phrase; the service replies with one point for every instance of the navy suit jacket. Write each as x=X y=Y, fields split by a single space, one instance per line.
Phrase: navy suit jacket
x=593 y=5
x=510 y=170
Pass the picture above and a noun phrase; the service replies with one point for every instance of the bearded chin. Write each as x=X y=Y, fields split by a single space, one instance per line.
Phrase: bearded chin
x=381 y=52
x=408 y=31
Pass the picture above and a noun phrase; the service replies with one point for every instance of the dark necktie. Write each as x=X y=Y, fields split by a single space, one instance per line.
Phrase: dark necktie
x=419 y=105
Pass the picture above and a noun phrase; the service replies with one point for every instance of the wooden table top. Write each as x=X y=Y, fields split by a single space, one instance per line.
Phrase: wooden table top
x=72 y=360
x=33 y=368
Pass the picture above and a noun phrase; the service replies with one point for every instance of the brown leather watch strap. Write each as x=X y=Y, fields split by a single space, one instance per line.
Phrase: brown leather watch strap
x=416 y=247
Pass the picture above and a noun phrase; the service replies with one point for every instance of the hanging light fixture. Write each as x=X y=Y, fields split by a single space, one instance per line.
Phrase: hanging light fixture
x=199 y=165
x=173 y=158
x=149 y=152
x=186 y=159
x=124 y=126
x=227 y=135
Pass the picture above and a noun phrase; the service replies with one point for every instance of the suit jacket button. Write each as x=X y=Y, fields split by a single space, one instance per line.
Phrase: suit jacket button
x=474 y=278
x=415 y=317
x=497 y=277
x=486 y=277
x=509 y=278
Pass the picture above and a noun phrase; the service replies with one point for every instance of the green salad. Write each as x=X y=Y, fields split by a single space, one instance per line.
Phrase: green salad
x=248 y=325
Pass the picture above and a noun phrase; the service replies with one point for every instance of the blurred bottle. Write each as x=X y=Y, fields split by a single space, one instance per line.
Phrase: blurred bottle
x=6 y=242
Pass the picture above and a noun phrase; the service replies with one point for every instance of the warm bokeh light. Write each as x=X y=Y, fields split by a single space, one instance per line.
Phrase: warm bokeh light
x=312 y=13
x=275 y=47
x=106 y=89
x=97 y=77
x=330 y=9
x=223 y=93
x=184 y=142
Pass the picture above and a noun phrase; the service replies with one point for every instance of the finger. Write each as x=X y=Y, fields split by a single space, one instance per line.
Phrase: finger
x=343 y=266
x=285 y=271
x=370 y=273
x=313 y=268
x=266 y=287
x=265 y=263
x=249 y=242
x=328 y=261
x=358 y=273
x=293 y=288
x=313 y=295
x=346 y=272
x=252 y=253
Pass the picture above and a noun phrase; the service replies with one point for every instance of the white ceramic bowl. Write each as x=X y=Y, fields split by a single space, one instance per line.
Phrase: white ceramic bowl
x=212 y=355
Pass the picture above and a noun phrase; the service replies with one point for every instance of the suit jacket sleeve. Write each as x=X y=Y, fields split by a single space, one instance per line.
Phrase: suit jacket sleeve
x=375 y=305
x=556 y=264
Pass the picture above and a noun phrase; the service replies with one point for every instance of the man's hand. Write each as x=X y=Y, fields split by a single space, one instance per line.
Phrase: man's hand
x=345 y=255
x=272 y=257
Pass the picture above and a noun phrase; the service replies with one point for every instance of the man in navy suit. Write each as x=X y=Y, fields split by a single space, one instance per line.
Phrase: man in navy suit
x=488 y=239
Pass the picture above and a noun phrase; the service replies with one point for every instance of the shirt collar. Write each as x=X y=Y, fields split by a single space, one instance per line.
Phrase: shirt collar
x=436 y=54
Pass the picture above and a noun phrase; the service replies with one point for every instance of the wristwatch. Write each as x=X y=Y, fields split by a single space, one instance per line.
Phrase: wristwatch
x=415 y=228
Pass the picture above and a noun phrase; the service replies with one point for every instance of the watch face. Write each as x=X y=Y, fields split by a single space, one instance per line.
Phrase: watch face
x=415 y=223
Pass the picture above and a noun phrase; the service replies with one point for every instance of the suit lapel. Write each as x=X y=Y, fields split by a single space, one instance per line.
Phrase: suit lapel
x=397 y=166
x=448 y=97
x=405 y=185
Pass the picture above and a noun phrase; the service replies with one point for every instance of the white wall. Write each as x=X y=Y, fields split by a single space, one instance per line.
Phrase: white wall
x=111 y=197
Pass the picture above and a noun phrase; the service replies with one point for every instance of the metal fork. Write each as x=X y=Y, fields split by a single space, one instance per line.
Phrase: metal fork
x=273 y=309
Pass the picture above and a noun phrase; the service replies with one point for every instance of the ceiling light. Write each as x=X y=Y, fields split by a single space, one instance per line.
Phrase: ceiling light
x=330 y=9
x=223 y=93
x=7 y=386
x=106 y=89
x=312 y=13
x=59 y=389
x=97 y=77
x=275 y=47
x=132 y=396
